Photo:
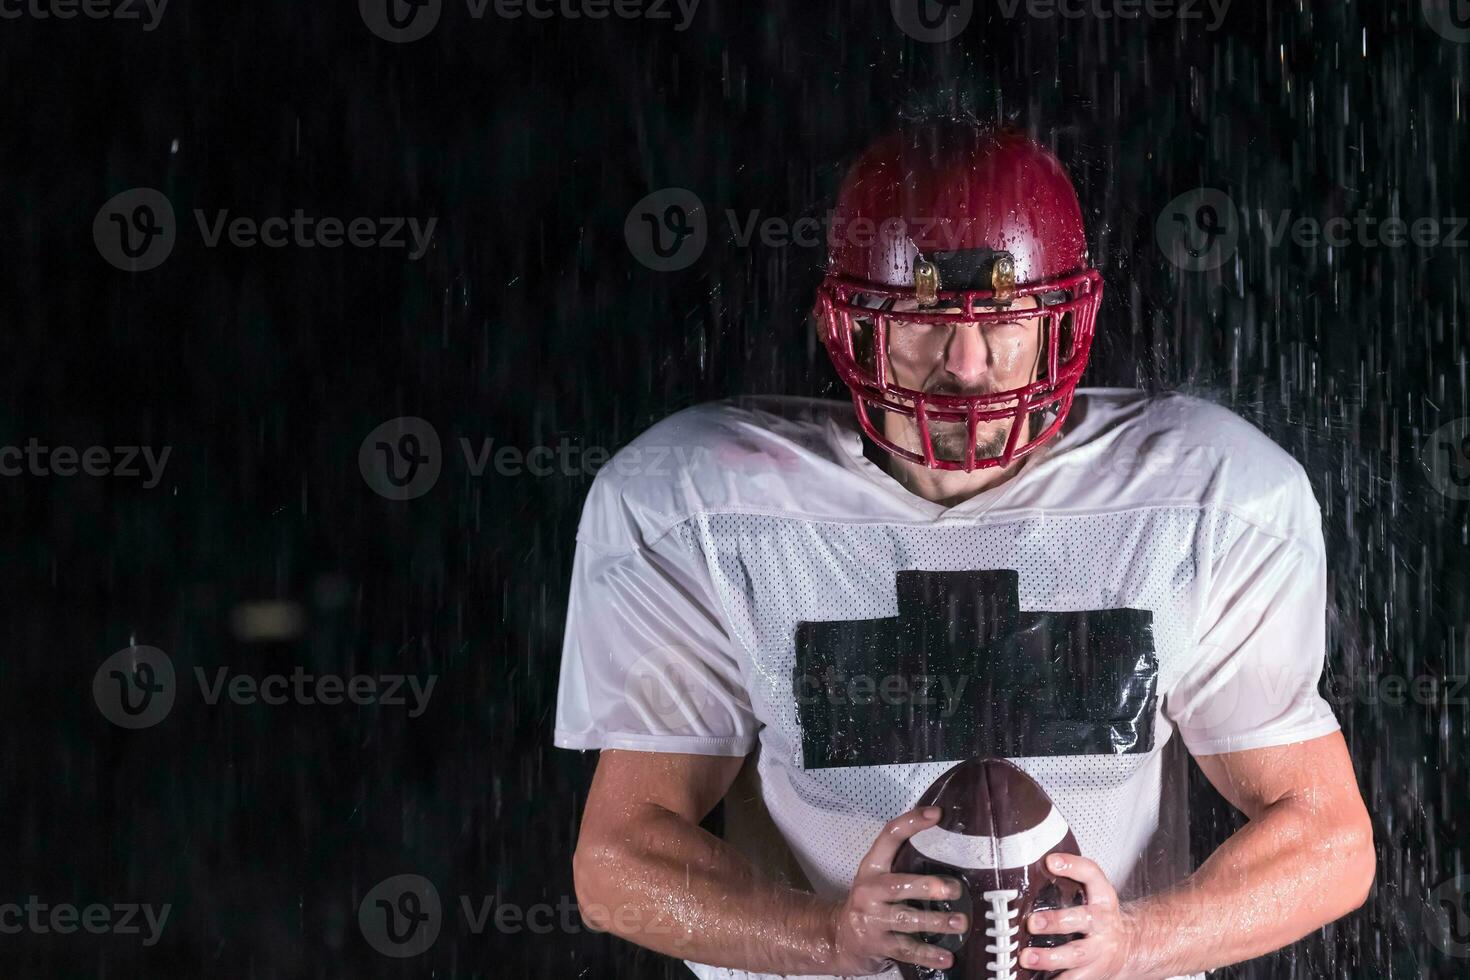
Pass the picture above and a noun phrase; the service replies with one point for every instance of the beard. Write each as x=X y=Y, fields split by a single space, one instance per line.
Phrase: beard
x=949 y=439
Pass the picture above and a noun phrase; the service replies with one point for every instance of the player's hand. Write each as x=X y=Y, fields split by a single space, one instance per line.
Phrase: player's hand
x=874 y=928
x=1109 y=932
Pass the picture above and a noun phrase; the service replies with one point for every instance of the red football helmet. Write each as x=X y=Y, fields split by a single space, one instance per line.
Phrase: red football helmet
x=957 y=224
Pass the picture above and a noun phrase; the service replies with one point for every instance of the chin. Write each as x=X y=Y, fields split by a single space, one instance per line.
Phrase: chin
x=951 y=446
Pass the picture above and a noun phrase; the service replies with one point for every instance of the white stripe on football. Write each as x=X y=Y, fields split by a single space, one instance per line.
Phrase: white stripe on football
x=982 y=852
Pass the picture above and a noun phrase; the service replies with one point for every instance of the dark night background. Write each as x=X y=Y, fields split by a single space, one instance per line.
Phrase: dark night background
x=529 y=322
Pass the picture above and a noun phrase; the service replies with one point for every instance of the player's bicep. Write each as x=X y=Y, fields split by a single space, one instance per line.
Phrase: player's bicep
x=687 y=785
x=1317 y=772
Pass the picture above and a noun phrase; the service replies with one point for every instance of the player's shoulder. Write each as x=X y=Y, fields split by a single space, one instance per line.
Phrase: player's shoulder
x=1155 y=422
x=758 y=424
x=1175 y=448
x=751 y=453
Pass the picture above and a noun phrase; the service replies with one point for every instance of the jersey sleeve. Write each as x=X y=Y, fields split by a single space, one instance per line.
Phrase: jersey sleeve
x=1261 y=639
x=647 y=663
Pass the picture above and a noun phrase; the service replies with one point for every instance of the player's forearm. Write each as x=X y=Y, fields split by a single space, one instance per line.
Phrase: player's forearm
x=674 y=888
x=1285 y=873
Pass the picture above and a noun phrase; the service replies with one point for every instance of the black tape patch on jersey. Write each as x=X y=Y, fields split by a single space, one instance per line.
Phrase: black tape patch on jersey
x=962 y=672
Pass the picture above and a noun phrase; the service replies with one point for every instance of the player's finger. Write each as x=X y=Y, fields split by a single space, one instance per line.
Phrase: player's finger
x=1068 y=956
x=1099 y=890
x=1062 y=921
x=906 y=918
x=880 y=856
x=906 y=949
x=895 y=887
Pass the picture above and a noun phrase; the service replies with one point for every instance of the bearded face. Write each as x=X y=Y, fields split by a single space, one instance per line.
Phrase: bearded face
x=962 y=359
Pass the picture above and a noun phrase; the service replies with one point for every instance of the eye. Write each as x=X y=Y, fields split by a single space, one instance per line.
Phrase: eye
x=907 y=338
x=919 y=328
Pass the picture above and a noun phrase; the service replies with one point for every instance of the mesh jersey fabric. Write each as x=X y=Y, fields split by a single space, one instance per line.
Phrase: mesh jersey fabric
x=721 y=535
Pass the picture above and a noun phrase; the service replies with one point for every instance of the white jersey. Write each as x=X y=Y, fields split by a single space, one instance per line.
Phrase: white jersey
x=1151 y=581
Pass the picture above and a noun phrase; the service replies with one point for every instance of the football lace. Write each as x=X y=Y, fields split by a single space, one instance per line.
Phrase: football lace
x=1002 y=931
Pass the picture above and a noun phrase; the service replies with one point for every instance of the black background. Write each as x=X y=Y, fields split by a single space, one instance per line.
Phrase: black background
x=529 y=322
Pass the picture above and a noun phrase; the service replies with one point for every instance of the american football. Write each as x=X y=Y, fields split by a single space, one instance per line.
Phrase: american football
x=997 y=828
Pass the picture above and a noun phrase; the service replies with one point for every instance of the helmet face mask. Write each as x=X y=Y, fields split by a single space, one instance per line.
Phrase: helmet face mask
x=1006 y=257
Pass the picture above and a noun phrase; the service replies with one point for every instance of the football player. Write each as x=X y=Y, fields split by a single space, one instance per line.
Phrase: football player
x=971 y=558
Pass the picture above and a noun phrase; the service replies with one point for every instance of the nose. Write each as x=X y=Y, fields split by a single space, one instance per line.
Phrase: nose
x=967 y=357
